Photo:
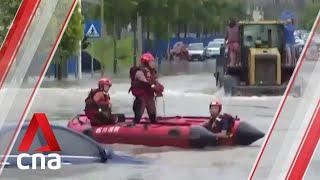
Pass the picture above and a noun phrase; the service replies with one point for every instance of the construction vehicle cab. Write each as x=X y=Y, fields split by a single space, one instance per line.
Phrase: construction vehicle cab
x=262 y=56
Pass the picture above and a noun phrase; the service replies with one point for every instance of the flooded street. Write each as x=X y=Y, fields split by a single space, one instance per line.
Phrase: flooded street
x=238 y=84
x=186 y=93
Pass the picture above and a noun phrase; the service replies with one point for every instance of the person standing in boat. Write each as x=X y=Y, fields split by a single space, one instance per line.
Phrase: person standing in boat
x=233 y=39
x=145 y=87
x=98 y=105
x=219 y=124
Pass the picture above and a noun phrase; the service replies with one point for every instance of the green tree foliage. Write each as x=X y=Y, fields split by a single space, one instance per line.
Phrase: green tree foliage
x=8 y=9
x=102 y=50
x=310 y=14
x=160 y=20
x=118 y=13
x=181 y=15
x=69 y=44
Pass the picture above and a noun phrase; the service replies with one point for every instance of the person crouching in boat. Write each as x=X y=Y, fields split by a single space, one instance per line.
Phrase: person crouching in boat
x=219 y=124
x=98 y=105
x=145 y=87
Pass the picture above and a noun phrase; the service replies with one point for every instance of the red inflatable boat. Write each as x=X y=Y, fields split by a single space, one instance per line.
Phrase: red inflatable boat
x=185 y=132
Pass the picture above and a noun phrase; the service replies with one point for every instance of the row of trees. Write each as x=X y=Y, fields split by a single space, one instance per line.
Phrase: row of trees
x=310 y=13
x=162 y=18
x=70 y=42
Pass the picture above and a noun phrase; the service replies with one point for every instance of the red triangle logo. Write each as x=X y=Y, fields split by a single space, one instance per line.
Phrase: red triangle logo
x=39 y=120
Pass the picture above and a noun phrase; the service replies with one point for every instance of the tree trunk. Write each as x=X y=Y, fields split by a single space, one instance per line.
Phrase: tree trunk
x=185 y=30
x=115 y=45
x=198 y=31
x=178 y=31
x=202 y=30
x=148 y=44
x=55 y=71
x=102 y=70
x=115 y=50
x=205 y=32
x=148 y=28
x=115 y=61
x=168 y=45
x=59 y=71
x=135 y=44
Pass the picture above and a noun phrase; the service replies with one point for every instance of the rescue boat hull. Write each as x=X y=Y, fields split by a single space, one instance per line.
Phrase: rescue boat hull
x=184 y=132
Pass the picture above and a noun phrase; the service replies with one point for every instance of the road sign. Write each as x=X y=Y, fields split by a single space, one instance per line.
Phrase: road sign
x=92 y=29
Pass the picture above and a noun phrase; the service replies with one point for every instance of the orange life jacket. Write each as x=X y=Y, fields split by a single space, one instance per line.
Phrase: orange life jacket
x=92 y=107
x=139 y=88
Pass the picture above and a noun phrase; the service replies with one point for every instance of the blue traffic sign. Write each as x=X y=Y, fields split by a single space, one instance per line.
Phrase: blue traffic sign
x=92 y=29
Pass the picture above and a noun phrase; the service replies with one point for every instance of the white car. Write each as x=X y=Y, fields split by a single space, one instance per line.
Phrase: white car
x=196 y=51
x=219 y=40
x=213 y=48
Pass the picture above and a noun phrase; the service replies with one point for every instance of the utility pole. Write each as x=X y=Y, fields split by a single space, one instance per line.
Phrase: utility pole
x=102 y=17
x=115 y=61
x=139 y=35
x=80 y=49
x=92 y=66
x=135 y=41
x=103 y=28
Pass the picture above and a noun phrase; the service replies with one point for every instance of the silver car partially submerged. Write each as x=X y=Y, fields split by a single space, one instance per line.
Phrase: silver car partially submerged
x=196 y=51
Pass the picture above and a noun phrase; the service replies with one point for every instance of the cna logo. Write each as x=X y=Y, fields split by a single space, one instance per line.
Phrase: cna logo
x=53 y=160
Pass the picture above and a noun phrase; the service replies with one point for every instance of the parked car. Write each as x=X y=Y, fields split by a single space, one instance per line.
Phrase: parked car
x=219 y=40
x=196 y=51
x=213 y=49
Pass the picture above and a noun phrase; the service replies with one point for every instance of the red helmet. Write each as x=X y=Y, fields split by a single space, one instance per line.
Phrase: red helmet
x=146 y=58
x=216 y=103
x=104 y=81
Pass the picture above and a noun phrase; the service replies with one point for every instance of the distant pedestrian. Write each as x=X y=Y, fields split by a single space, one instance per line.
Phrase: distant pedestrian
x=290 y=41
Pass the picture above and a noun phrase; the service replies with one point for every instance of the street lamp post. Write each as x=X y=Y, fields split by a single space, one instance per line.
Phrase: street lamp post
x=79 y=58
x=102 y=17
